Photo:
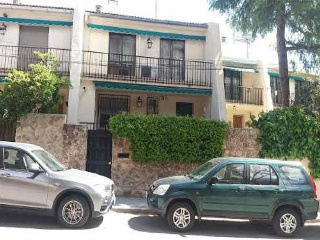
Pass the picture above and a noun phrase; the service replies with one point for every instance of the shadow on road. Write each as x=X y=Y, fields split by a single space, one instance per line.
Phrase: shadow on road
x=17 y=220
x=214 y=228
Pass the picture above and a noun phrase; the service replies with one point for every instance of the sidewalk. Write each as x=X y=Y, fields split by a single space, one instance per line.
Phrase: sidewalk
x=135 y=205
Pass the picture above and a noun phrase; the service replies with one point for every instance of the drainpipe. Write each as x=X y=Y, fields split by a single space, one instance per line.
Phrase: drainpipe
x=76 y=65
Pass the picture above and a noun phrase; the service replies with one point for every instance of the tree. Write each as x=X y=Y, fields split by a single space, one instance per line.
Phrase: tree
x=34 y=91
x=260 y=17
x=308 y=96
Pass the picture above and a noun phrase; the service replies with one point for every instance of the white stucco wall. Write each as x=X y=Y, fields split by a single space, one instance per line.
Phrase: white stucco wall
x=59 y=36
x=87 y=101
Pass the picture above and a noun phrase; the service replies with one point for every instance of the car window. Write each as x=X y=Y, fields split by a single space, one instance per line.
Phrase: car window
x=204 y=168
x=294 y=175
x=261 y=174
x=231 y=174
x=17 y=160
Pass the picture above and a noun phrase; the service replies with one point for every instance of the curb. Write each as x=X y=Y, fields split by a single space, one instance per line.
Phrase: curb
x=144 y=211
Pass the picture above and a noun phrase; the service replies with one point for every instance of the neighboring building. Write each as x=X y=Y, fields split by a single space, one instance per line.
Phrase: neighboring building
x=120 y=63
x=252 y=87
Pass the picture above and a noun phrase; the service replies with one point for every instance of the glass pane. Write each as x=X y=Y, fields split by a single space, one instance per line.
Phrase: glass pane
x=231 y=174
x=262 y=175
x=294 y=175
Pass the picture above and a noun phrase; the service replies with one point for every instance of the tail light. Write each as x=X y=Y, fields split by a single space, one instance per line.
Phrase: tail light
x=314 y=186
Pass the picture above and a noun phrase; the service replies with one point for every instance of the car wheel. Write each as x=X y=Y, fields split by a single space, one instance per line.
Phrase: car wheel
x=286 y=222
x=181 y=217
x=73 y=211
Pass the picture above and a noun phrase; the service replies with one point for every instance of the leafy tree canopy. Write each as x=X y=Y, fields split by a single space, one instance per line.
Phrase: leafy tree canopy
x=33 y=91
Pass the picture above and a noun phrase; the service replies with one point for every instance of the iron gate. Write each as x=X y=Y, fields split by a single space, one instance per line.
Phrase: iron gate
x=99 y=147
x=99 y=150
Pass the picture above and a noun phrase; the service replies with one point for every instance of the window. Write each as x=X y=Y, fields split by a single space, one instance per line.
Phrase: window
x=122 y=51
x=232 y=83
x=152 y=105
x=262 y=175
x=294 y=175
x=16 y=159
x=184 y=109
x=275 y=90
x=231 y=174
x=172 y=64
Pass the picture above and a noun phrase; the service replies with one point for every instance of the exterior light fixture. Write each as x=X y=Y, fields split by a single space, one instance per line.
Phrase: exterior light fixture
x=139 y=102
x=3 y=29
x=149 y=42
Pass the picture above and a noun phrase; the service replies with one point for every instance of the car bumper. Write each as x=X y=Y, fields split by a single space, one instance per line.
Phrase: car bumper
x=107 y=204
x=156 y=204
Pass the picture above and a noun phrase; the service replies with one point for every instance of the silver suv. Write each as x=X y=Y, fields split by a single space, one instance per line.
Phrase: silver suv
x=33 y=179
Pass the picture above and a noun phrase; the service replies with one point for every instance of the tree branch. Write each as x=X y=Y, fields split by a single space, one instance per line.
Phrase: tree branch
x=303 y=47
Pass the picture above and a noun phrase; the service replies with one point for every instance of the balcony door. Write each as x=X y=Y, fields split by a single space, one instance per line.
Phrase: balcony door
x=233 y=83
x=122 y=51
x=31 y=39
x=172 y=59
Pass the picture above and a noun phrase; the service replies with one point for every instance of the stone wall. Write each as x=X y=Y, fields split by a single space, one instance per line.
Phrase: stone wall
x=68 y=143
x=241 y=142
x=132 y=178
x=75 y=146
x=44 y=130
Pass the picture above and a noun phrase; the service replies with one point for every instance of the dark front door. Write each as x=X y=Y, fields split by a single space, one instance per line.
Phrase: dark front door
x=99 y=146
x=99 y=150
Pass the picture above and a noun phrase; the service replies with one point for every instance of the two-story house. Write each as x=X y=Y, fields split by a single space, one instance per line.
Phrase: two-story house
x=119 y=63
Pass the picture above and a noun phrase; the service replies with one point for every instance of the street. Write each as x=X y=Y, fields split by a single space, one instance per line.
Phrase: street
x=129 y=226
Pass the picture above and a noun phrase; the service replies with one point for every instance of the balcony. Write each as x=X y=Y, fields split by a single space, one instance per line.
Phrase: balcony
x=146 y=70
x=243 y=95
x=15 y=57
x=107 y=67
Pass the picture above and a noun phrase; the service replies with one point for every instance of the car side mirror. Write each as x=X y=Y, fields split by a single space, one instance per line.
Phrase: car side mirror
x=35 y=168
x=213 y=180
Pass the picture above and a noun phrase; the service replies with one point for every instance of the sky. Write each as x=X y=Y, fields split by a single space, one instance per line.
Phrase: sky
x=196 y=11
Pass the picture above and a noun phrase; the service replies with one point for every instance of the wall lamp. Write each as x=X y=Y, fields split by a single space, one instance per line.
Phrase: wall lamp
x=3 y=29
x=149 y=42
x=139 y=102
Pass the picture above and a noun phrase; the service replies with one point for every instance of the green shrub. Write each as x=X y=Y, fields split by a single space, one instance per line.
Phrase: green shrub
x=289 y=133
x=170 y=138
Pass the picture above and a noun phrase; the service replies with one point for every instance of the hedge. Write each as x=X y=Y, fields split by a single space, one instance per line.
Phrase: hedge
x=165 y=138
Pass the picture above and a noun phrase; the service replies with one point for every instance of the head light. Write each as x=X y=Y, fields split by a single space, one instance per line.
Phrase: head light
x=161 y=189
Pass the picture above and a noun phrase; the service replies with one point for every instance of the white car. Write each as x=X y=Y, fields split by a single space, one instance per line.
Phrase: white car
x=33 y=179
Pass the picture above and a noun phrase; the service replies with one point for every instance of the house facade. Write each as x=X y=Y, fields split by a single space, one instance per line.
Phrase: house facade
x=119 y=63
x=123 y=63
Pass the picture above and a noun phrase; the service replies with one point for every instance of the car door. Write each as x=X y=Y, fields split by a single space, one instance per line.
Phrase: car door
x=262 y=191
x=20 y=187
x=227 y=196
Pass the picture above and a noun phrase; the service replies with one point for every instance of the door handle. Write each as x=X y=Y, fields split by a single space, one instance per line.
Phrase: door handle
x=5 y=175
x=239 y=189
x=278 y=191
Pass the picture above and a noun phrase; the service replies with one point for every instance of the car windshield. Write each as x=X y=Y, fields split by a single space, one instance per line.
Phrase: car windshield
x=49 y=160
x=204 y=168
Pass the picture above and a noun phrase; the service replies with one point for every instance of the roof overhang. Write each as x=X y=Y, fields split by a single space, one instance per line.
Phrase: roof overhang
x=151 y=88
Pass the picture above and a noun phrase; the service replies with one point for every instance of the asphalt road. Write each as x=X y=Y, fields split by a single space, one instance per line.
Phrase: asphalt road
x=128 y=226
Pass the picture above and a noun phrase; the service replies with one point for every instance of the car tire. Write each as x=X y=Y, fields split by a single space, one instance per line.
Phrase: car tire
x=286 y=222
x=73 y=212
x=181 y=217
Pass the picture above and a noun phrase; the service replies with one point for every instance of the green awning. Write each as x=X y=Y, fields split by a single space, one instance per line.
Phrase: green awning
x=145 y=32
x=150 y=88
x=242 y=69
x=3 y=79
x=296 y=78
x=35 y=21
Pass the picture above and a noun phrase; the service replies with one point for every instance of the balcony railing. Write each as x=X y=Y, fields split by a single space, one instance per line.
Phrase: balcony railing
x=17 y=57
x=116 y=67
x=243 y=95
x=146 y=70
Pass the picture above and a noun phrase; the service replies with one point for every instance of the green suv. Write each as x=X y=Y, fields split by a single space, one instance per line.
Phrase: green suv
x=280 y=192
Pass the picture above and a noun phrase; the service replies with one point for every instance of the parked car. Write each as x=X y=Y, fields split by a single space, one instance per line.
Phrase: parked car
x=33 y=179
x=280 y=192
